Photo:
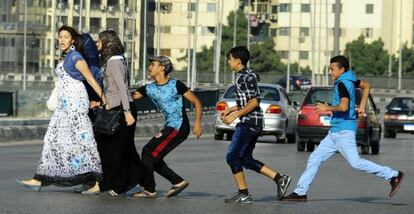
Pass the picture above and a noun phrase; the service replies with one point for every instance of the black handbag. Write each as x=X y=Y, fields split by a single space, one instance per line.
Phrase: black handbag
x=107 y=121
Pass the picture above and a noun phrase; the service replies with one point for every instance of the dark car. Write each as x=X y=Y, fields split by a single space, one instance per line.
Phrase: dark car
x=312 y=127
x=399 y=117
x=297 y=82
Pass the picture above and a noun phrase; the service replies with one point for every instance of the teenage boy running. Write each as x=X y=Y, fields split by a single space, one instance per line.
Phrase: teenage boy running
x=167 y=94
x=341 y=136
x=240 y=150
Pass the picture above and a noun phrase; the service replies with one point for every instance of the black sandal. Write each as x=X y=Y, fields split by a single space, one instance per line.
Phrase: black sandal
x=175 y=190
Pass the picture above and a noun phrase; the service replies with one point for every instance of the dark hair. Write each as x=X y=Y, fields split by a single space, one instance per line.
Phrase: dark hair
x=90 y=52
x=111 y=45
x=75 y=36
x=342 y=62
x=240 y=52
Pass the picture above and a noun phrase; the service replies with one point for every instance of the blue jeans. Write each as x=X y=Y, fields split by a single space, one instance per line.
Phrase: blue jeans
x=240 y=150
x=344 y=142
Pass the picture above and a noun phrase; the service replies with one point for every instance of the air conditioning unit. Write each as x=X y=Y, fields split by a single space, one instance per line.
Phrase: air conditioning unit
x=127 y=10
x=76 y=7
x=273 y=17
x=127 y=32
x=111 y=8
x=102 y=7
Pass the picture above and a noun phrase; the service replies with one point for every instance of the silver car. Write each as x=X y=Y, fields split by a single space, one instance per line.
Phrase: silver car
x=280 y=114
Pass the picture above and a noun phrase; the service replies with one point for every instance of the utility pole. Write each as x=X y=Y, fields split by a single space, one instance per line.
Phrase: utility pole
x=326 y=44
x=144 y=46
x=25 y=46
x=80 y=15
x=400 y=57
x=194 y=68
x=248 y=24
x=312 y=22
x=338 y=8
x=290 y=48
x=235 y=30
x=391 y=40
x=189 y=15
x=158 y=27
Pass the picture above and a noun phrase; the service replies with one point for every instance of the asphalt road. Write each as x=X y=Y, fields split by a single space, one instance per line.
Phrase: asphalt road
x=337 y=189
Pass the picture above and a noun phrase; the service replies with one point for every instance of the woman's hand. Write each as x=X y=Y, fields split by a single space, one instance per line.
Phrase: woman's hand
x=129 y=119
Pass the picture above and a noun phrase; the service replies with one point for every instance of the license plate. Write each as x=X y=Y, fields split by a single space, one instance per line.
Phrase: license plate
x=409 y=127
x=325 y=120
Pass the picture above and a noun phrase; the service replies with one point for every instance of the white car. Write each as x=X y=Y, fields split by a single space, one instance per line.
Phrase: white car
x=280 y=114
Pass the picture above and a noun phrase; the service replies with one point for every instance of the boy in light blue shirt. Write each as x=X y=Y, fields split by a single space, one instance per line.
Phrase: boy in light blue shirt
x=341 y=136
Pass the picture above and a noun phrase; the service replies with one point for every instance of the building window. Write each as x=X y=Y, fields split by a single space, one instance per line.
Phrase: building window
x=274 y=9
x=341 y=32
x=304 y=31
x=165 y=29
x=211 y=7
x=305 y=8
x=165 y=7
x=207 y=30
x=284 y=8
x=192 y=7
x=303 y=54
x=368 y=32
x=284 y=54
x=95 y=24
x=284 y=31
x=369 y=8
x=273 y=32
x=165 y=52
x=333 y=8
x=112 y=24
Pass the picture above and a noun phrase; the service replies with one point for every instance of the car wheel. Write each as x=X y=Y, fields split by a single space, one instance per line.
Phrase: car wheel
x=375 y=146
x=364 y=150
x=389 y=133
x=229 y=135
x=218 y=135
x=310 y=146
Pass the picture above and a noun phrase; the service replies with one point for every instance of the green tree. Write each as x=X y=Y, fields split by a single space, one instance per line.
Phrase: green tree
x=367 y=59
x=407 y=66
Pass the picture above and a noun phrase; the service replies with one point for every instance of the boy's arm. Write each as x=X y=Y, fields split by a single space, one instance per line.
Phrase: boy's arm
x=197 y=129
x=253 y=103
x=366 y=87
x=342 y=106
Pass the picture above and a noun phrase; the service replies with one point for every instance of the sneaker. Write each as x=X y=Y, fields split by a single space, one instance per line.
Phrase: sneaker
x=282 y=186
x=239 y=198
x=395 y=183
x=294 y=197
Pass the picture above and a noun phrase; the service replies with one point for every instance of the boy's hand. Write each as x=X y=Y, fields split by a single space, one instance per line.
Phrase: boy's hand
x=197 y=129
x=321 y=107
x=224 y=113
x=229 y=119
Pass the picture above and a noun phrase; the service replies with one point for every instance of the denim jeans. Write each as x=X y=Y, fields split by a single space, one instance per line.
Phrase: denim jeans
x=240 y=150
x=344 y=142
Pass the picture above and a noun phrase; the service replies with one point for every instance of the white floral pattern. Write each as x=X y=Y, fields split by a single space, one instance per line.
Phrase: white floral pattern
x=70 y=155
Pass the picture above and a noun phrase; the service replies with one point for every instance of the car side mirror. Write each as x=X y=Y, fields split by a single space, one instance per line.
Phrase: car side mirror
x=377 y=111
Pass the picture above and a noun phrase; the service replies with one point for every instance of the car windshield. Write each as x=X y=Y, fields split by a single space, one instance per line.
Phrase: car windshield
x=402 y=103
x=324 y=95
x=266 y=93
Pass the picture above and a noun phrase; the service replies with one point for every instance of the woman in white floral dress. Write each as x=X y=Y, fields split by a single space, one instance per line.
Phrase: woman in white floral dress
x=70 y=156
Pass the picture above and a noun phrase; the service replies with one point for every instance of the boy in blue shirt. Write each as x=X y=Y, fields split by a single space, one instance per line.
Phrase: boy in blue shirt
x=341 y=136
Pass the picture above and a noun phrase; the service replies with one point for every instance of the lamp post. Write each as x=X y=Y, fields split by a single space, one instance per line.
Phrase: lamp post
x=25 y=46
